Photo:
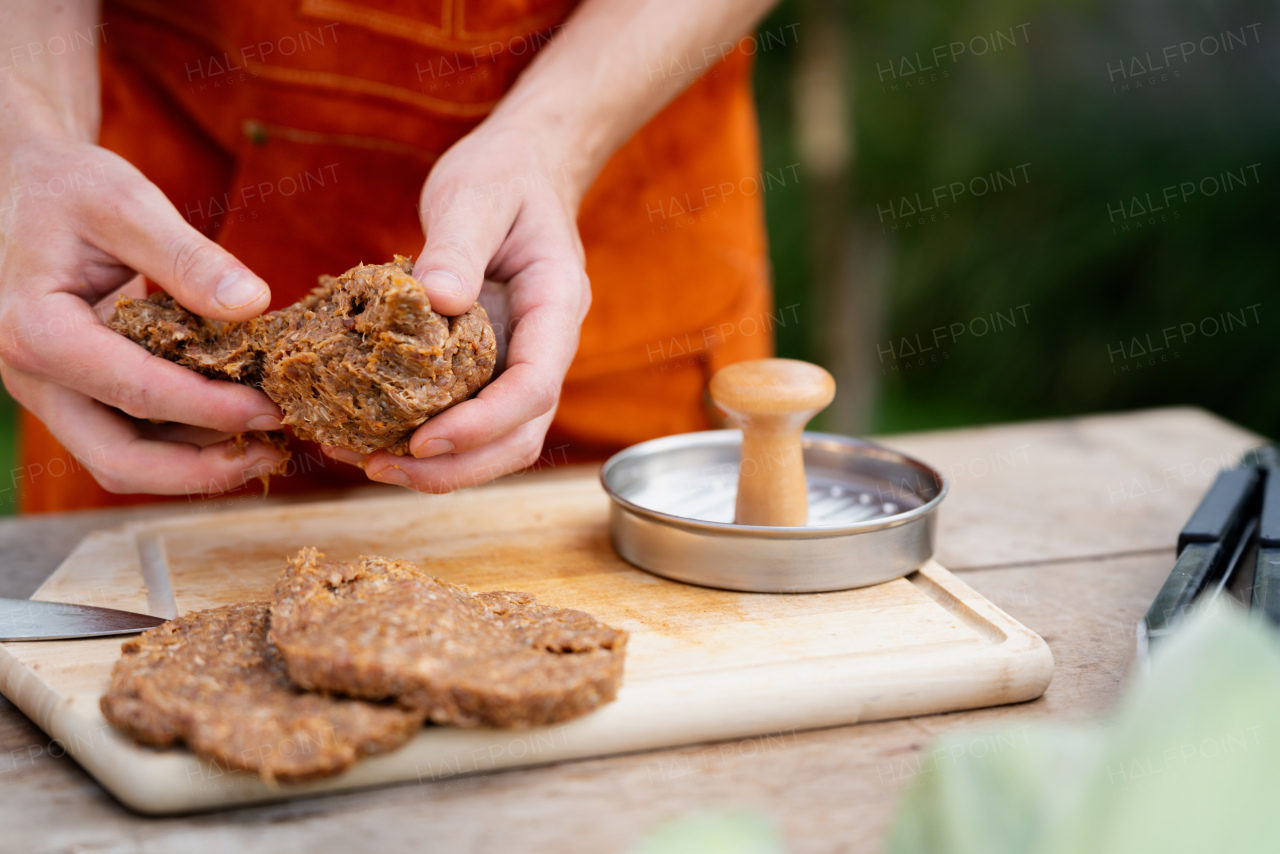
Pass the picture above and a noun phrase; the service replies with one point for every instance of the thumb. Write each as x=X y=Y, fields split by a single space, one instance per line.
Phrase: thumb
x=147 y=233
x=453 y=261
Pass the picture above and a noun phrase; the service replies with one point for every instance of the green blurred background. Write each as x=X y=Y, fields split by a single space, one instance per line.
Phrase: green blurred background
x=1047 y=243
x=1046 y=106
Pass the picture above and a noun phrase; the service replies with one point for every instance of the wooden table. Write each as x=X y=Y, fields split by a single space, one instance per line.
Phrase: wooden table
x=1067 y=525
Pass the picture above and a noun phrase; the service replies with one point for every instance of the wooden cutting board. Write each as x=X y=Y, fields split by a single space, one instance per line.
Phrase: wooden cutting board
x=702 y=665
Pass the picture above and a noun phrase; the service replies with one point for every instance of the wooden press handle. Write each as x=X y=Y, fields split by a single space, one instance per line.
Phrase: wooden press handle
x=772 y=400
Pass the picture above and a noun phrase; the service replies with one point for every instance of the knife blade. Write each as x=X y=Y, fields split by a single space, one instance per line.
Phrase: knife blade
x=34 y=620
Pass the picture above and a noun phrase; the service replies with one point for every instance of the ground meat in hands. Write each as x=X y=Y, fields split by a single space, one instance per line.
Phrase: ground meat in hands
x=360 y=363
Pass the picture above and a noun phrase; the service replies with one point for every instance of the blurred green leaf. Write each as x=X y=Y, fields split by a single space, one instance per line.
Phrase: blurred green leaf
x=717 y=833
x=1187 y=764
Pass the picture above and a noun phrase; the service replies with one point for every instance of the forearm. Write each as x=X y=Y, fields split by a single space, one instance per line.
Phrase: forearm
x=615 y=66
x=49 y=68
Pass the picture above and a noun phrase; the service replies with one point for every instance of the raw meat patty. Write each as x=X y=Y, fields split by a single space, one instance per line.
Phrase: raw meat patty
x=360 y=363
x=382 y=628
x=212 y=680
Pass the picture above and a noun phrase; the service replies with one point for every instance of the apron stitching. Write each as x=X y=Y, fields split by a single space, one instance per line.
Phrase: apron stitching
x=450 y=35
x=315 y=79
x=259 y=132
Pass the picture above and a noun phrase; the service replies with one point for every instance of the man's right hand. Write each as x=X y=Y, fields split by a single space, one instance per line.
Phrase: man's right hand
x=78 y=225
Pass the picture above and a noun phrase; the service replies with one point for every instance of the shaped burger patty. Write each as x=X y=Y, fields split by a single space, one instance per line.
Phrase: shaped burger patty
x=211 y=680
x=385 y=629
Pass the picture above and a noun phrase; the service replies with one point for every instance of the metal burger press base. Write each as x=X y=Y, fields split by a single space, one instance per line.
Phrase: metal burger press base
x=770 y=508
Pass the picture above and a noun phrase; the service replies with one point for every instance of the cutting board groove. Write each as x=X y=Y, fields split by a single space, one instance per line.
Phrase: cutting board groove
x=702 y=664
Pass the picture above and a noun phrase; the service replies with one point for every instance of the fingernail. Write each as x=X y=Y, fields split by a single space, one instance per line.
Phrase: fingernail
x=264 y=422
x=392 y=475
x=433 y=447
x=239 y=289
x=442 y=282
x=344 y=455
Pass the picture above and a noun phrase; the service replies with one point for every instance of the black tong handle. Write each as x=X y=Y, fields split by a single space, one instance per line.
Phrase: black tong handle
x=1206 y=544
x=1266 y=574
x=1223 y=509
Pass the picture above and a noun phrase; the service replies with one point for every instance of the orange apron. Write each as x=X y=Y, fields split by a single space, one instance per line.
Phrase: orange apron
x=299 y=138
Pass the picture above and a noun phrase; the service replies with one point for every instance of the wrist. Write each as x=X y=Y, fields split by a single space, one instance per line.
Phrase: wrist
x=28 y=114
x=51 y=87
x=569 y=148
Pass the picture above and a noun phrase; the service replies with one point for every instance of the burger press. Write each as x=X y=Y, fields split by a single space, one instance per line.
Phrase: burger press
x=770 y=508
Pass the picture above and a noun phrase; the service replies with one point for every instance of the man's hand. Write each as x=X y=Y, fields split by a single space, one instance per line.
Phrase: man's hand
x=503 y=203
x=78 y=225
x=495 y=206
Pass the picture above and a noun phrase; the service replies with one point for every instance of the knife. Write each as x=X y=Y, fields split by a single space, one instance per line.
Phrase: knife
x=34 y=620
